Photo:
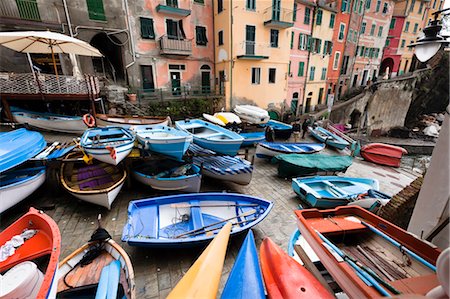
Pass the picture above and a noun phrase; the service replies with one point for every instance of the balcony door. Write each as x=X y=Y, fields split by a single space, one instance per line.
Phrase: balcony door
x=276 y=10
x=250 y=33
x=175 y=29
x=175 y=79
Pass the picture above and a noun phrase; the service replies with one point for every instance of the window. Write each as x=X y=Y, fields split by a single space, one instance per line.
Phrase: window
x=380 y=31
x=301 y=69
x=180 y=67
x=402 y=45
x=406 y=26
x=175 y=29
x=312 y=70
x=319 y=17
x=371 y=52
x=392 y=25
x=341 y=35
x=366 y=53
x=319 y=99
x=421 y=7
x=345 y=5
x=434 y=4
x=200 y=36
x=377 y=9
x=200 y=1
x=274 y=38
x=372 y=30
x=294 y=13
x=413 y=3
x=344 y=65
x=307 y=18
x=292 y=40
x=147 y=30
x=302 y=41
x=309 y=42
x=362 y=51
x=410 y=48
x=256 y=75
x=385 y=8
x=327 y=48
x=337 y=56
x=272 y=75
x=360 y=7
x=95 y=9
x=28 y=10
x=332 y=18
x=415 y=28
x=363 y=27
x=367 y=4
x=388 y=41
x=172 y=3
x=289 y=68
x=220 y=37
x=355 y=36
x=251 y=5
x=350 y=35
x=219 y=6
x=316 y=45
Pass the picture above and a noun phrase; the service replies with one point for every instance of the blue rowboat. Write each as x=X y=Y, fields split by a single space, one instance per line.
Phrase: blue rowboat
x=272 y=149
x=164 y=140
x=328 y=138
x=110 y=145
x=245 y=279
x=211 y=136
x=19 y=146
x=331 y=191
x=252 y=138
x=190 y=219
x=225 y=168
x=169 y=175
x=282 y=130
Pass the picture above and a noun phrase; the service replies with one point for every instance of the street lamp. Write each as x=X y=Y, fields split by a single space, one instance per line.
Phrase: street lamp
x=430 y=42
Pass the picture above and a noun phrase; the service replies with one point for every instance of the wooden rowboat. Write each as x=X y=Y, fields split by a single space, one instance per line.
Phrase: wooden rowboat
x=109 y=274
x=328 y=138
x=368 y=256
x=285 y=278
x=31 y=268
x=127 y=121
x=203 y=277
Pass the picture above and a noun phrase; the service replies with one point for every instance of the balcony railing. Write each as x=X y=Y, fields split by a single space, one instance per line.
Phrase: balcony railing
x=277 y=17
x=182 y=92
x=252 y=50
x=170 y=46
x=27 y=83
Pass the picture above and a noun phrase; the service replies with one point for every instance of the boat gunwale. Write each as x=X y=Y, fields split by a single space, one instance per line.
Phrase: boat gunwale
x=39 y=172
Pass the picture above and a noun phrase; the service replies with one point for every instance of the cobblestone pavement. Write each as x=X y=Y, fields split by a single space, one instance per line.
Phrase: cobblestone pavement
x=158 y=270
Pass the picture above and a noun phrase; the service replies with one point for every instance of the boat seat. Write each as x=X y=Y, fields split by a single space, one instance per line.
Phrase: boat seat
x=148 y=218
x=285 y=148
x=196 y=215
x=109 y=281
x=212 y=135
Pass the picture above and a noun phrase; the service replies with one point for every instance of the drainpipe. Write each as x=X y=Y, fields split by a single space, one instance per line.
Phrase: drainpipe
x=73 y=59
x=131 y=36
x=231 y=54
x=357 y=43
x=307 y=61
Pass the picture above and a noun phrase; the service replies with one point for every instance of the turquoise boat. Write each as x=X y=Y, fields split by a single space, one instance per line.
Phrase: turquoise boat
x=328 y=138
x=292 y=165
x=332 y=191
x=211 y=136
x=245 y=279
x=271 y=149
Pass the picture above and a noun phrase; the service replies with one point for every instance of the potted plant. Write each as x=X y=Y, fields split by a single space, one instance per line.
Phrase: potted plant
x=131 y=95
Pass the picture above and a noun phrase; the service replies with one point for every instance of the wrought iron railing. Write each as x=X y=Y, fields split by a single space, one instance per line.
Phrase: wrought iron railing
x=275 y=13
x=182 y=92
x=27 y=83
x=175 y=46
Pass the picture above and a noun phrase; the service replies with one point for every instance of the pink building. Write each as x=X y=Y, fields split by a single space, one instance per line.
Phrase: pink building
x=174 y=46
x=298 y=62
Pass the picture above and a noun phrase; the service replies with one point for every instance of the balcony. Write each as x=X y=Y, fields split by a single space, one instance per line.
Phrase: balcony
x=169 y=46
x=28 y=12
x=170 y=7
x=252 y=51
x=278 y=18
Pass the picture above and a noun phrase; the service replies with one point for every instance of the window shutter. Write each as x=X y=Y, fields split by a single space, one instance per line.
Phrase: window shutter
x=96 y=10
x=147 y=30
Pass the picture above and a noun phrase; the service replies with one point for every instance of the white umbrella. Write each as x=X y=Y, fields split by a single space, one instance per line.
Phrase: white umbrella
x=46 y=42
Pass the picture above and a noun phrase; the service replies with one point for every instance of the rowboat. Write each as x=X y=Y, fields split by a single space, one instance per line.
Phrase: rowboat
x=245 y=279
x=41 y=246
x=384 y=154
x=203 y=277
x=224 y=168
x=99 y=183
x=18 y=183
x=372 y=201
x=328 y=138
x=252 y=138
x=282 y=130
x=110 y=145
x=331 y=191
x=272 y=149
x=49 y=121
x=169 y=176
x=292 y=165
x=190 y=219
x=211 y=136
x=127 y=121
x=164 y=140
x=286 y=278
x=19 y=146
x=252 y=114
x=98 y=269
x=368 y=256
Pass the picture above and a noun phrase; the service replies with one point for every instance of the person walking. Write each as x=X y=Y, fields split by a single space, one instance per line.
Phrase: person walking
x=296 y=128
x=305 y=126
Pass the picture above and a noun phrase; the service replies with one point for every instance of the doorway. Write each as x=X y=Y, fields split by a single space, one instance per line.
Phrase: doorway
x=364 y=77
x=308 y=102
x=250 y=33
x=112 y=62
x=206 y=78
x=175 y=79
x=148 y=84
x=222 y=82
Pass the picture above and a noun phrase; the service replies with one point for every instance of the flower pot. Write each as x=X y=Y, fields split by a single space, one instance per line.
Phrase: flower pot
x=132 y=97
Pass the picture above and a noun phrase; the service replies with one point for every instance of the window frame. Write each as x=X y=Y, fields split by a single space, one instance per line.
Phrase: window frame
x=372 y=29
x=274 y=79
x=323 y=75
x=250 y=5
x=380 y=31
x=201 y=38
x=341 y=30
x=256 y=75
x=220 y=38
x=219 y=6
x=406 y=29
x=312 y=73
x=377 y=8
x=301 y=69
x=363 y=27
x=332 y=20
x=274 y=43
x=307 y=16
x=319 y=17
x=336 y=60
x=150 y=26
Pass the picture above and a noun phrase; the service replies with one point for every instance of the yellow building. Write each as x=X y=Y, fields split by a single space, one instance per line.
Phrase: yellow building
x=252 y=40
x=433 y=6
x=320 y=48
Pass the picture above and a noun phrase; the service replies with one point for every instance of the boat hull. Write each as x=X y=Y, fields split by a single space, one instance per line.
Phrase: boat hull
x=128 y=121
x=328 y=138
x=229 y=148
x=242 y=178
x=383 y=154
x=104 y=199
x=104 y=155
x=272 y=149
x=252 y=114
x=61 y=123
x=282 y=130
x=12 y=194
x=252 y=138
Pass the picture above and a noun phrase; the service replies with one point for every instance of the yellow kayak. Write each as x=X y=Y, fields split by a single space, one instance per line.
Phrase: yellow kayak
x=202 y=279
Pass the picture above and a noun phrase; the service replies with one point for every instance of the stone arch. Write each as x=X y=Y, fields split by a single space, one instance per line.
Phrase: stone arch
x=355 y=118
x=205 y=67
x=112 y=62
x=387 y=62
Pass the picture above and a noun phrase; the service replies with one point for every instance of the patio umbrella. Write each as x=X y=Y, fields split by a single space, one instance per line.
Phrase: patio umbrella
x=46 y=42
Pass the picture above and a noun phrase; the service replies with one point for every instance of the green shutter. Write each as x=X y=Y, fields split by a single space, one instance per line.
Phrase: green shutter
x=28 y=10
x=294 y=15
x=289 y=68
x=301 y=68
x=292 y=40
x=147 y=28
x=96 y=10
x=319 y=45
x=332 y=18
x=319 y=17
x=307 y=15
x=308 y=43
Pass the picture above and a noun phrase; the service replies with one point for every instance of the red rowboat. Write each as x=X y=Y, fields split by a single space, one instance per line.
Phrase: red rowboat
x=384 y=154
x=405 y=263
x=286 y=278
x=30 y=270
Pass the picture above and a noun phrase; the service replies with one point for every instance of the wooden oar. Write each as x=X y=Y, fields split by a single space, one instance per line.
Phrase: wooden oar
x=367 y=256
x=47 y=151
x=248 y=213
x=213 y=229
x=187 y=205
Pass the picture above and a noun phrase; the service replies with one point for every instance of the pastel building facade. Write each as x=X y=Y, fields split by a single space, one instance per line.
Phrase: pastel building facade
x=298 y=60
x=252 y=51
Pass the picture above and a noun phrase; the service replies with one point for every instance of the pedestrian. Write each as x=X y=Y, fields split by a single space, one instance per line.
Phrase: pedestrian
x=269 y=134
x=305 y=126
x=296 y=128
